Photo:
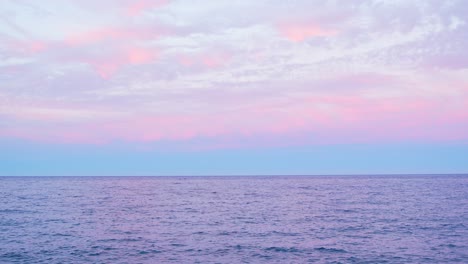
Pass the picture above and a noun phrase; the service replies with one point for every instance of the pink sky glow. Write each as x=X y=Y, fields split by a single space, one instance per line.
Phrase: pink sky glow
x=288 y=72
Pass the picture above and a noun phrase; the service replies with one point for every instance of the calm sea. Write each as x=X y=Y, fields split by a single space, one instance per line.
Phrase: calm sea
x=333 y=219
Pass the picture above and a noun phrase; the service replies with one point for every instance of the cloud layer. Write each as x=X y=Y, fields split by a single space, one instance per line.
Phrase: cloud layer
x=229 y=74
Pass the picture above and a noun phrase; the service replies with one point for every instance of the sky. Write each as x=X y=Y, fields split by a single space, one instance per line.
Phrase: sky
x=173 y=87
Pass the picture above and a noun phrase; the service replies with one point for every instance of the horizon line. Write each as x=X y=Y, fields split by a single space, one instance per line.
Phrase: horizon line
x=254 y=175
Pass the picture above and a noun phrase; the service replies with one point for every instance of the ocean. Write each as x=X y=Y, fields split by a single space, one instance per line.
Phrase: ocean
x=275 y=219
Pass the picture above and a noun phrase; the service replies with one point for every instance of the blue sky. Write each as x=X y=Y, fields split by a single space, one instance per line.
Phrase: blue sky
x=25 y=158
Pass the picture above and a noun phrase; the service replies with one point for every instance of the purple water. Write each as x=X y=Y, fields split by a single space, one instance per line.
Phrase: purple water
x=347 y=219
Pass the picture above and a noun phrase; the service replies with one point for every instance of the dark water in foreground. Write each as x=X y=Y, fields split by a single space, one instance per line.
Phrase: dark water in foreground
x=349 y=219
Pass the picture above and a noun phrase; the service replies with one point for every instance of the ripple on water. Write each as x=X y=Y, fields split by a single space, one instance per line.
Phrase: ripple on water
x=330 y=250
x=235 y=220
x=283 y=249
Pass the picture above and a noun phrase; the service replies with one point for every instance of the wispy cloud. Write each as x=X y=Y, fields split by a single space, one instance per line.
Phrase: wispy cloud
x=306 y=71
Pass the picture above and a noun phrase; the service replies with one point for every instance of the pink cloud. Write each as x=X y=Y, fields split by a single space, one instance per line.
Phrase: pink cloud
x=300 y=31
x=314 y=120
x=112 y=35
x=28 y=46
x=36 y=46
x=109 y=65
x=140 y=55
x=106 y=69
x=120 y=47
x=137 y=7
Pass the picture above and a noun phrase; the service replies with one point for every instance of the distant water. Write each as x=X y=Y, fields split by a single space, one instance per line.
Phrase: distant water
x=347 y=219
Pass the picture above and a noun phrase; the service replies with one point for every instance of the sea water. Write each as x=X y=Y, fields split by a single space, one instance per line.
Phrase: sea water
x=282 y=219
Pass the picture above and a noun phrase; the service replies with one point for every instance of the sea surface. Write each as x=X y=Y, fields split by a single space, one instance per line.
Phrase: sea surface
x=287 y=219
